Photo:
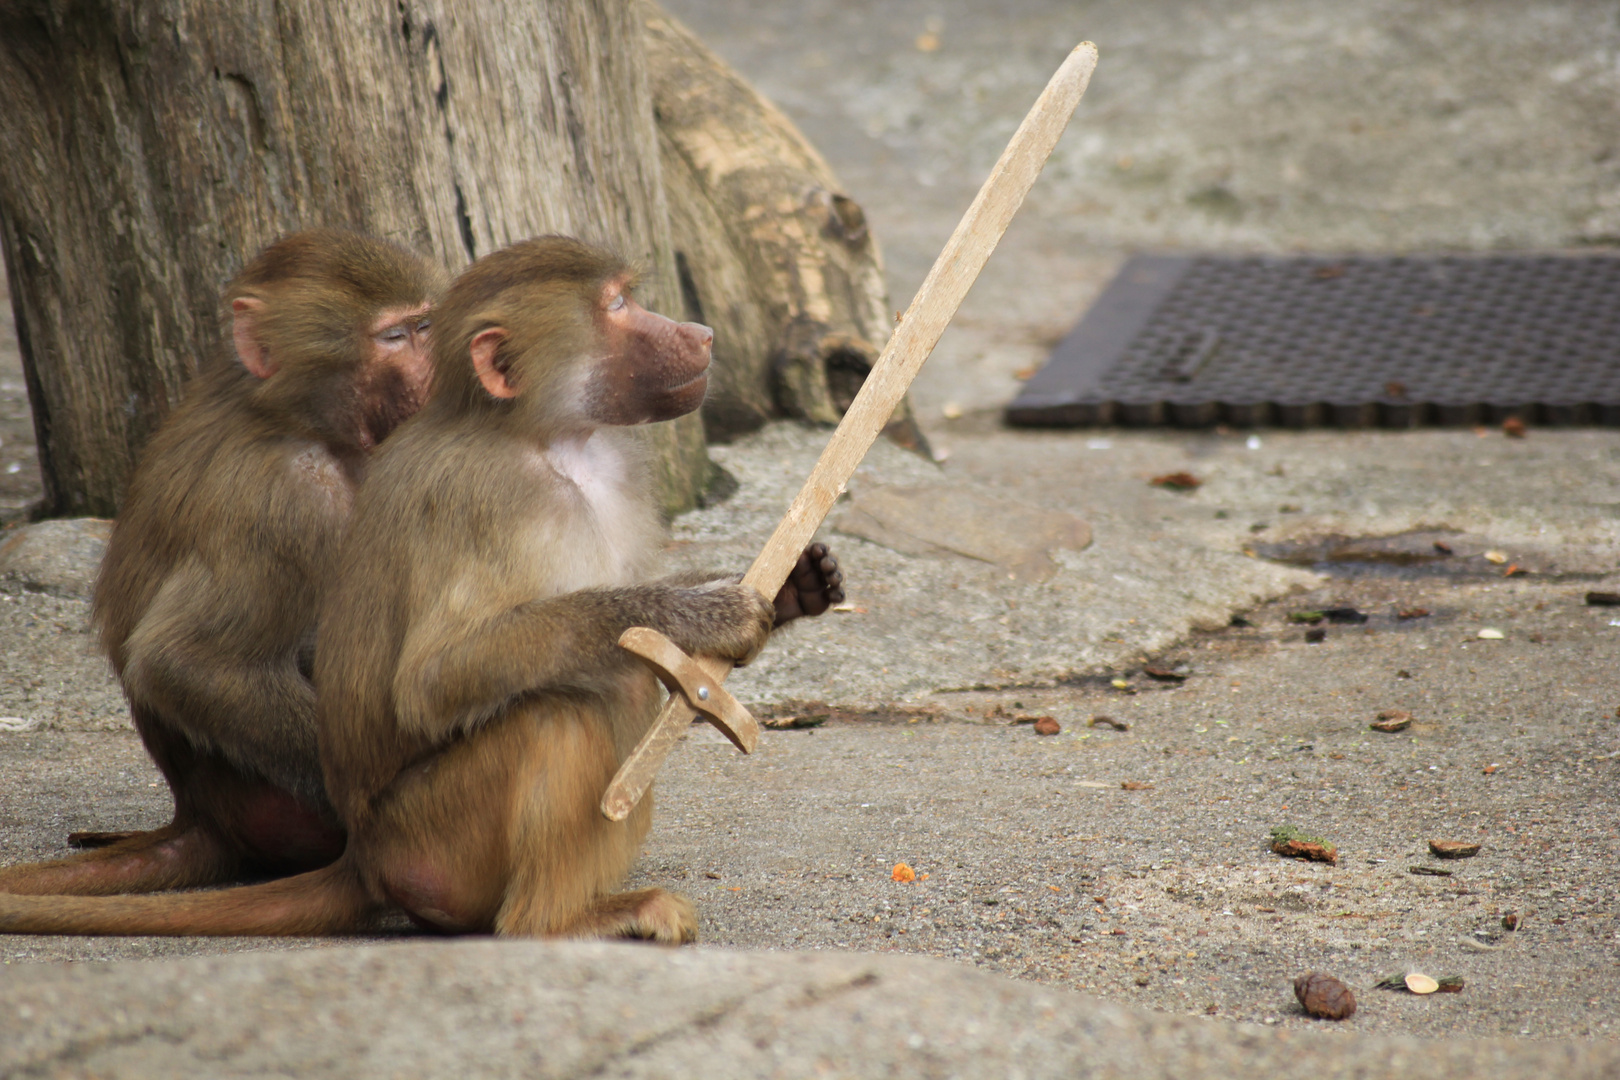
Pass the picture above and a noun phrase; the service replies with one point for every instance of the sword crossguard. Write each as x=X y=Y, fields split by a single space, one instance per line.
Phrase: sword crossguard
x=686 y=679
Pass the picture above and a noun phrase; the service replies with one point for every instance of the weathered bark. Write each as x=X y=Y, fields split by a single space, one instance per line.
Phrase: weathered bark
x=770 y=252
x=150 y=146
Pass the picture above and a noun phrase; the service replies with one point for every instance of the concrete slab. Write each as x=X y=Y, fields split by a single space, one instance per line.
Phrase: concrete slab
x=1161 y=565
x=525 y=1009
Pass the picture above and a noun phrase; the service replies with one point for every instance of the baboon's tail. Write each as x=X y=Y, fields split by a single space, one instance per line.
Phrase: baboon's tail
x=330 y=900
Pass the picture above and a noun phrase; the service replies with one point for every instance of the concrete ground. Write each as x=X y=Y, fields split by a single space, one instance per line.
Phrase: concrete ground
x=523 y=1009
x=1236 y=126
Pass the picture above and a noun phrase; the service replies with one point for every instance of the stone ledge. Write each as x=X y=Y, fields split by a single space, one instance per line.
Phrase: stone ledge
x=541 y=1009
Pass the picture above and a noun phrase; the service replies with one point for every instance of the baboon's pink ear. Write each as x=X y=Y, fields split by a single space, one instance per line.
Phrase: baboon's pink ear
x=485 y=349
x=247 y=335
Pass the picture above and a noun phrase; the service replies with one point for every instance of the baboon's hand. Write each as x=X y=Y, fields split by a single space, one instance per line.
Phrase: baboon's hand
x=815 y=585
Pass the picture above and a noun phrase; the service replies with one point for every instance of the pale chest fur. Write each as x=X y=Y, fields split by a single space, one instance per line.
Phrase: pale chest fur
x=596 y=529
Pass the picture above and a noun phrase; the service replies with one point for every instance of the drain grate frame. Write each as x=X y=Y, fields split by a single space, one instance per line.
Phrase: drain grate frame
x=1357 y=342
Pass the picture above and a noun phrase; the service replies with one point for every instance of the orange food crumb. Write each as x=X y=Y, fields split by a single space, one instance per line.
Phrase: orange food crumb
x=902 y=872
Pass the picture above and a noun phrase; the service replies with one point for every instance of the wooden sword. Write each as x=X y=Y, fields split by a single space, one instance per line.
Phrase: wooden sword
x=695 y=683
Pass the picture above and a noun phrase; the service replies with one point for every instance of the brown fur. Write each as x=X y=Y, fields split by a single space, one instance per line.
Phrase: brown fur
x=473 y=700
x=208 y=596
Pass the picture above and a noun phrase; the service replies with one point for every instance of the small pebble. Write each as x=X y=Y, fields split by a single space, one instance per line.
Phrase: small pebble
x=1324 y=996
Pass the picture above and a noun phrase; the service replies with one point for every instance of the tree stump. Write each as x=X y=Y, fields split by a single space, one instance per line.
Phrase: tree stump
x=768 y=249
x=151 y=146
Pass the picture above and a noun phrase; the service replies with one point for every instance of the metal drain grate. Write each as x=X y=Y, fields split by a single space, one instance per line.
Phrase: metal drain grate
x=1356 y=342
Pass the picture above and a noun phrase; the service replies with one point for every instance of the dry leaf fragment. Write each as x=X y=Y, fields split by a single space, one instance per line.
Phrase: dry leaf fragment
x=1412 y=613
x=1419 y=983
x=1324 y=996
x=1136 y=785
x=794 y=723
x=1391 y=720
x=1288 y=841
x=1045 y=725
x=1492 y=767
x=1177 y=481
x=1108 y=721
x=1442 y=547
x=1513 y=427
x=1428 y=871
x=904 y=873
x=1453 y=849
x=1165 y=674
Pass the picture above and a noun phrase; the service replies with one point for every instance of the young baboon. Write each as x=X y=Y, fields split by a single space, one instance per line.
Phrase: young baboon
x=208 y=596
x=473 y=700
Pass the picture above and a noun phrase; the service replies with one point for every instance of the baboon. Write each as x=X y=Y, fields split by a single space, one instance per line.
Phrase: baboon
x=208 y=596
